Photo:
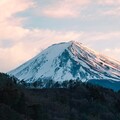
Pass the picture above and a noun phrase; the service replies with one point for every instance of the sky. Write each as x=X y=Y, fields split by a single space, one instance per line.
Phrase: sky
x=29 y=26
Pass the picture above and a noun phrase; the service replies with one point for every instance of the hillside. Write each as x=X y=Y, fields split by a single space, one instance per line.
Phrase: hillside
x=79 y=101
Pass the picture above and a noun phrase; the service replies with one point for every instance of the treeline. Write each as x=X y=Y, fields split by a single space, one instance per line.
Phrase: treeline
x=51 y=83
x=74 y=101
x=12 y=99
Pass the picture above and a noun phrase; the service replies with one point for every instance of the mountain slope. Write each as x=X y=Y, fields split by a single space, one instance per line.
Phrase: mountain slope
x=65 y=61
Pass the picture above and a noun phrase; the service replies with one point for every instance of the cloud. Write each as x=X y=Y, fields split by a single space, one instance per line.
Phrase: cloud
x=114 y=53
x=11 y=30
x=65 y=8
x=30 y=44
x=78 y=8
x=11 y=26
x=18 y=44
x=10 y=7
x=16 y=41
x=108 y=2
x=37 y=39
x=112 y=12
x=111 y=7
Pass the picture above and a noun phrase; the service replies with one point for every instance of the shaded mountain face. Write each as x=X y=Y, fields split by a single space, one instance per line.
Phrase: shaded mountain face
x=65 y=61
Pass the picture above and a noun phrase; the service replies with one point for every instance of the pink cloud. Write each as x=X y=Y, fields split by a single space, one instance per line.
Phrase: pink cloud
x=113 y=53
x=30 y=44
x=101 y=36
x=11 y=26
x=113 y=7
x=109 y=2
x=65 y=8
x=10 y=7
x=11 y=29
x=33 y=41
x=112 y=12
x=23 y=39
x=60 y=13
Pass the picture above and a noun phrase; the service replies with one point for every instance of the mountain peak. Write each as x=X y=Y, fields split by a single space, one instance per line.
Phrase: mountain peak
x=65 y=61
x=69 y=43
x=74 y=42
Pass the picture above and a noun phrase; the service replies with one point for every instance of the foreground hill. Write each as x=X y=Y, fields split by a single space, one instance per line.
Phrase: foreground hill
x=79 y=101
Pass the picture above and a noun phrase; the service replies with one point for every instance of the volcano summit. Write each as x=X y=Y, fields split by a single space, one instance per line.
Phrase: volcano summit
x=66 y=61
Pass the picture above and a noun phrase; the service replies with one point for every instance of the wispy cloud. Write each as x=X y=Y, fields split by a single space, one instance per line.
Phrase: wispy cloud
x=112 y=12
x=11 y=29
x=8 y=8
x=31 y=43
x=102 y=36
x=36 y=40
x=24 y=43
x=20 y=40
x=75 y=8
x=11 y=26
x=65 y=8
x=108 y=2
x=113 y=7
x=113 y=53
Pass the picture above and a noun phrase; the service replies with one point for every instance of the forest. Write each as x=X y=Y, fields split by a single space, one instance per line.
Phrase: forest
x=73 y=101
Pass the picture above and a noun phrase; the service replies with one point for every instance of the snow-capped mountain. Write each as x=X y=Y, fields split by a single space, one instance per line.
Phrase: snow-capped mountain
x=68 y=60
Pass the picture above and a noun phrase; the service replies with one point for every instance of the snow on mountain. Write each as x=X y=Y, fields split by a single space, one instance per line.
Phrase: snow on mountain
x=68 y=60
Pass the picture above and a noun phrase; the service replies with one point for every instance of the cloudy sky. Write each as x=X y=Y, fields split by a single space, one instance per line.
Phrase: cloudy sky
x=29 y=26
